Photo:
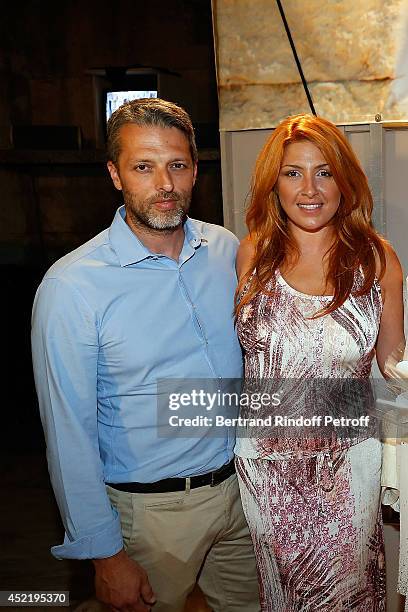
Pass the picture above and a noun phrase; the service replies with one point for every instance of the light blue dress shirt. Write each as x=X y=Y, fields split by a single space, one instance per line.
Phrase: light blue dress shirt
x=110 y=319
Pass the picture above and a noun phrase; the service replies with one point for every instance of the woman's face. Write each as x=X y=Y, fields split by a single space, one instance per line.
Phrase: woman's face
x=307 y=191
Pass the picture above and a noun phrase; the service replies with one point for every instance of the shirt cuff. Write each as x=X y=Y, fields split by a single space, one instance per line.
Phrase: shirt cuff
x=100 y=545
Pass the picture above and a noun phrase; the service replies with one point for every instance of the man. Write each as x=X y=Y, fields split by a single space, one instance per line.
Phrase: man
x=150 y=298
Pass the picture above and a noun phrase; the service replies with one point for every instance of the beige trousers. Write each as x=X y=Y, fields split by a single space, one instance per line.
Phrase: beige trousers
x=185 y=537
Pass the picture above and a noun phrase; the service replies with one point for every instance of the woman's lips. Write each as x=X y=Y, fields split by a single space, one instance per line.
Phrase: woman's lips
x=314 y=206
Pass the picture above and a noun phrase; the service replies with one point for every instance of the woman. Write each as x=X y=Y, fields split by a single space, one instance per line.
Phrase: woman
x=320 y=292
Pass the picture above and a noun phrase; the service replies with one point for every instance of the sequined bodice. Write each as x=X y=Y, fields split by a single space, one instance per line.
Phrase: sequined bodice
x=282 y=341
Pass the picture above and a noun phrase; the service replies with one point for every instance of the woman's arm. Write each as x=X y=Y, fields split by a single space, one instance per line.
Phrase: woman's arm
x=391 y=340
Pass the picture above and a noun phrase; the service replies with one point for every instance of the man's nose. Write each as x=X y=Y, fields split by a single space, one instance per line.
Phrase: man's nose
x=164 y=180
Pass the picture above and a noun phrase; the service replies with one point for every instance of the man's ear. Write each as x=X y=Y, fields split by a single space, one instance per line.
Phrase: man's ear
x=194 y=173
x=114 y=174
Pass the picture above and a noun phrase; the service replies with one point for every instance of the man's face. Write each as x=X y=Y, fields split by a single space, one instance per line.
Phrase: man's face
x=156 y=174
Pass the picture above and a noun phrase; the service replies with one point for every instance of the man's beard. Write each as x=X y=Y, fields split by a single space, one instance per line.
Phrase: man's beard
x=142 y=213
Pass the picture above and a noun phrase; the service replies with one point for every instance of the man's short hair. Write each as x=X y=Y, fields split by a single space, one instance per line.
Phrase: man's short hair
x=147 y=112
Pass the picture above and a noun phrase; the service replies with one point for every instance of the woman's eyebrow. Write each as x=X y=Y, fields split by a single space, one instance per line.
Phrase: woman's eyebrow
x=297 y=166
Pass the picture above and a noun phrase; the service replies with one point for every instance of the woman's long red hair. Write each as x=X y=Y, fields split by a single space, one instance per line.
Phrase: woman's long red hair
x=356 y=245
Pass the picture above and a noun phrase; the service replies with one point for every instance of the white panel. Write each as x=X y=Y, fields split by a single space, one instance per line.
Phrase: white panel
x=239 y=151
x=391 y=541
x=396 y=191
x=360 y=142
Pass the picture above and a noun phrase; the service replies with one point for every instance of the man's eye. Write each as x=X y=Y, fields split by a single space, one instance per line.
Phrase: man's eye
x=178 y=165
x=142 y=167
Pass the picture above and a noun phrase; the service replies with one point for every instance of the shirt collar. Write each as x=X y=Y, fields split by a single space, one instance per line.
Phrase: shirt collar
x=130 y=249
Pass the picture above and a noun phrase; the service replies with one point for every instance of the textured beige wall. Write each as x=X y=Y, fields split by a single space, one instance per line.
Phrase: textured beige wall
x=354 y=54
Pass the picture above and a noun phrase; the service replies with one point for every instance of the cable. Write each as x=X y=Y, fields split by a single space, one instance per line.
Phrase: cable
x=295 y=55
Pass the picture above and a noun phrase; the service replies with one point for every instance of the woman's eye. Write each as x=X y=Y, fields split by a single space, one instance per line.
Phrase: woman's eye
x=325 y=173
x=292 y=173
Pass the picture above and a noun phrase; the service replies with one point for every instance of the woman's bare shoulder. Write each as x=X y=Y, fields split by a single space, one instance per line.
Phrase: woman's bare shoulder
x=245 y=255
x=392 y=279
x=393 y=269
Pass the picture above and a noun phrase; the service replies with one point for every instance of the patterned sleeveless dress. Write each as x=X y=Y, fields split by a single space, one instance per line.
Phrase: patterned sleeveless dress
x=313 y=502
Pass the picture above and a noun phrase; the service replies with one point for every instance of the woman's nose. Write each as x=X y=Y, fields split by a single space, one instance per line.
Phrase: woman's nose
x=309 y=187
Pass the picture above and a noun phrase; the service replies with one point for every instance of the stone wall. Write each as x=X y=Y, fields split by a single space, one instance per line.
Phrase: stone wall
x=354 y=56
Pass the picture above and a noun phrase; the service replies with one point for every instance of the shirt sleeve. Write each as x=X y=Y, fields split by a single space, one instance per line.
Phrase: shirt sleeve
x=65 y=357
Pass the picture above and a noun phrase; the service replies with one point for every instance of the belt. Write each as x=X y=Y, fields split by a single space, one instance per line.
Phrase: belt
x=177 y=484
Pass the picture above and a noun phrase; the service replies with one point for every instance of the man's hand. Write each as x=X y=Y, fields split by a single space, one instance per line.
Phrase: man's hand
x=122 y=584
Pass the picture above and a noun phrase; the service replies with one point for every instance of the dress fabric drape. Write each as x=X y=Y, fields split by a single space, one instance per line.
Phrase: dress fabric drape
x=313 y=501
